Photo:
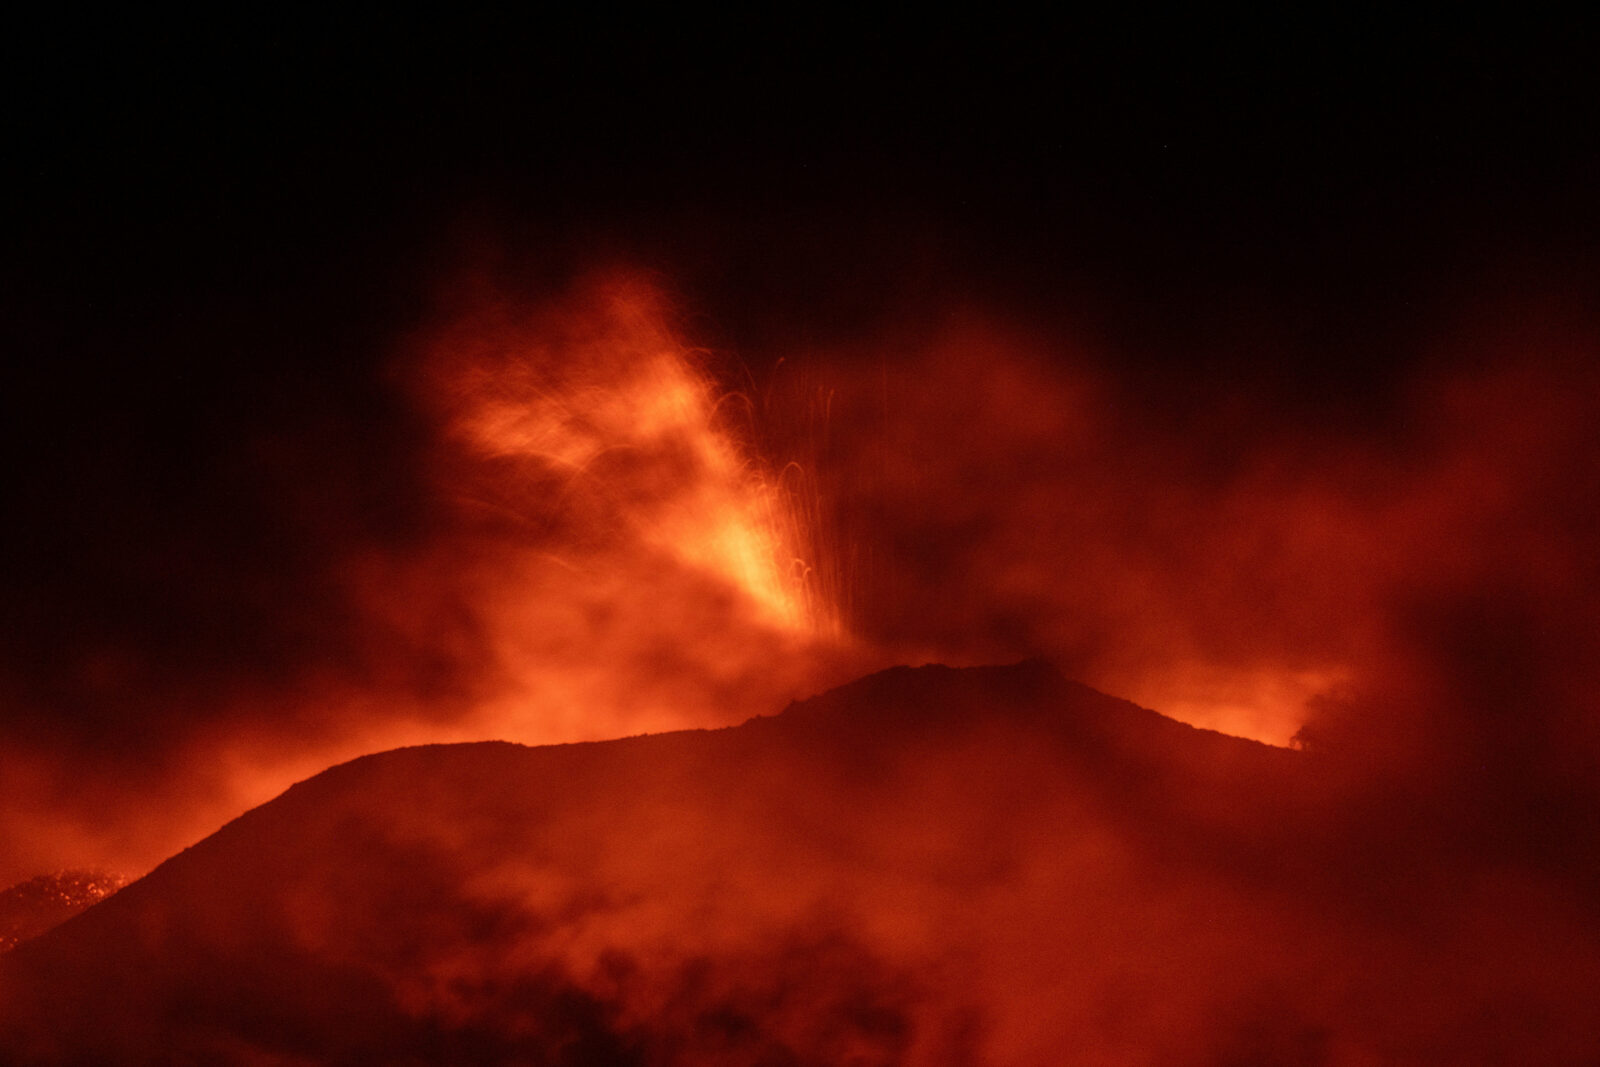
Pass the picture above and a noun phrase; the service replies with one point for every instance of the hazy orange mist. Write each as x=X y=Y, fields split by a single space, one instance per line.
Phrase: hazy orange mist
x=1223 y=558
x=1005 y=498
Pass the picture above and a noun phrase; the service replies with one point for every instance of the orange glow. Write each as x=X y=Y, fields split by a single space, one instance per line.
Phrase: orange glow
x=1266 y=705
x=614 y=542
x=633 y=566
x=636 y=393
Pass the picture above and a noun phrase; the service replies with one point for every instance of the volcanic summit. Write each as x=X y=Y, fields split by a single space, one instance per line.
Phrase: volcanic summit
x=931 y=865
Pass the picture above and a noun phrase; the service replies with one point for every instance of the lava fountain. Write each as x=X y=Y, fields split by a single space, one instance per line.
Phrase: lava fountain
x=632 y=562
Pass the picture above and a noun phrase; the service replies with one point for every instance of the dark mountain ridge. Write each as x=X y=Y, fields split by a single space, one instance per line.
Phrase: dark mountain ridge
x=928 y=865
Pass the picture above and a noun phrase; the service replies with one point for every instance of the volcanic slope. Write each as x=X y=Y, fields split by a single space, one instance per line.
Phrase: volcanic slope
x=927 y=866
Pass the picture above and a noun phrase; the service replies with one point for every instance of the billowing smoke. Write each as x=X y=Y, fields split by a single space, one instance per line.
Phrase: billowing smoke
x=1225 y=556
x=559 y=518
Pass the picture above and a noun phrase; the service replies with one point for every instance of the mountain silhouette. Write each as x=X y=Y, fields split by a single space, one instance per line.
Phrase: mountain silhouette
x=929 y=865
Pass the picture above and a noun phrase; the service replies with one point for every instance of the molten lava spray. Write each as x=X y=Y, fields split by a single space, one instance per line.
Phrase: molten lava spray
x=632 y=563
x=623 y=424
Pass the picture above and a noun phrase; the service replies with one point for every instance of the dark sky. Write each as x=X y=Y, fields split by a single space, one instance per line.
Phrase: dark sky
x=1177 y=184
x=183 y=178
x=218 y=236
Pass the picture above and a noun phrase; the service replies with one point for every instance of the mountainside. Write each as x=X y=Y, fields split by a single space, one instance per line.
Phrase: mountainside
x=940 y=866
x=29 y=908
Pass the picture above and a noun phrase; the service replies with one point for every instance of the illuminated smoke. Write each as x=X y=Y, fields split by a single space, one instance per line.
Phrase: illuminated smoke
x=625 y=426
x=610 y=540
x=629 y=561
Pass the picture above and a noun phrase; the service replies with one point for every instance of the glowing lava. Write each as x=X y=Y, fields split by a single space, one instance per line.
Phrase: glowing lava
x=623 y=557
x=628 y=418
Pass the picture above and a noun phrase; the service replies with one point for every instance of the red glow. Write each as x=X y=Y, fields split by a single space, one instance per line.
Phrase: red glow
x=611 y=554
x=623 y=420
x=923 y=545
x=609 y=549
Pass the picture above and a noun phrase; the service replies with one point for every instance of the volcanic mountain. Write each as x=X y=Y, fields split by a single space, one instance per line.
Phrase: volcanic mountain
x=931 y=865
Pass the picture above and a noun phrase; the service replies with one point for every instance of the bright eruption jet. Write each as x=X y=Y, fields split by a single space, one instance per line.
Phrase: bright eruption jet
x=631 y=422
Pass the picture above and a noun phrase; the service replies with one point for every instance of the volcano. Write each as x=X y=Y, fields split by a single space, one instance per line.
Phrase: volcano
x=931 y=865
